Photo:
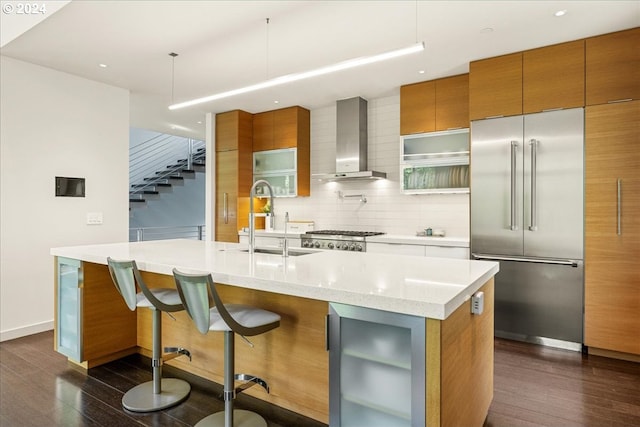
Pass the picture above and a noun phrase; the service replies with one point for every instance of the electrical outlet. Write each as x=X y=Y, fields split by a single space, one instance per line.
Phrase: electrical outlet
x=477 y=303
x=94 y=218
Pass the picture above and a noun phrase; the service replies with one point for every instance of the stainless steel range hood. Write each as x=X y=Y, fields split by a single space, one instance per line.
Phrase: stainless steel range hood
x=351 y=143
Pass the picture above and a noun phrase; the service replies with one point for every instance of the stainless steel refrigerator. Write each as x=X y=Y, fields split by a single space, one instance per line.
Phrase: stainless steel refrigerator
x=527 y=191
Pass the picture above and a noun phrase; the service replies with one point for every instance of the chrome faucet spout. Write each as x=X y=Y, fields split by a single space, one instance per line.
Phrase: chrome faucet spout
x=252 y=222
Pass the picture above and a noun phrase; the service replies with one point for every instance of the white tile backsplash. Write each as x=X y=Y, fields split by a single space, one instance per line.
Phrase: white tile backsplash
x=387 y=209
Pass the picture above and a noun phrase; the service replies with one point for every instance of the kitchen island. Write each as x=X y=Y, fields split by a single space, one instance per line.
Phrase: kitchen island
x=458 y=345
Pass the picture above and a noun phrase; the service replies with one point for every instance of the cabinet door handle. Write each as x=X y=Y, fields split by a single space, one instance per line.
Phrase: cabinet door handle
x=512 y=223
x=619 y=207
x=533 y=226
x=225 y=208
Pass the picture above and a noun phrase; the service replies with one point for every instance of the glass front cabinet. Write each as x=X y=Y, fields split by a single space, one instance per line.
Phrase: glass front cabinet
x=435 y=162
x=376 y=368
x=69 y=308
x=279 y=168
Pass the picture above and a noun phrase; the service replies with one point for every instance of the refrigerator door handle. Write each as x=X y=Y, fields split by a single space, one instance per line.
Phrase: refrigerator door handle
x=514 y=147
x=533 y=226
x=567 y=262
x=618 y=207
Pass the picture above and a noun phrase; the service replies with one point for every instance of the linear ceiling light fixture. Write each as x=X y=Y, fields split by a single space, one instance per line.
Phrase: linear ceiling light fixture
x=345 y=65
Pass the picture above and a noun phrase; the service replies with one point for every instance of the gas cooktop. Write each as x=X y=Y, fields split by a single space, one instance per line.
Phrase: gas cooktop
x=337 y=239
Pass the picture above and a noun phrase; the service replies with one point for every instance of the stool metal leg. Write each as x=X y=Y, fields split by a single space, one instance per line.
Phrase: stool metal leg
x=161 y=393
x=231 y=417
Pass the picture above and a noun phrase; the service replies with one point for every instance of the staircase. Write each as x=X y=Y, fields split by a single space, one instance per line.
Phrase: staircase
x=149 y=173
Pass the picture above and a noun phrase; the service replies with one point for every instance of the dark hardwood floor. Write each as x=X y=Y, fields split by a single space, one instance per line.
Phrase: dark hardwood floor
x=534 y=386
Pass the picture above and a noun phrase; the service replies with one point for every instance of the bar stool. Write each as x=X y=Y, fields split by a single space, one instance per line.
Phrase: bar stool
x=160 y=393
x=195 y=291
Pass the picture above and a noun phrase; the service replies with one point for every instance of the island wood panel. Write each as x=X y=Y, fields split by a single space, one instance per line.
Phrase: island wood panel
x=292 y=358
x=418 y=108
x=612 y=276
x=452 y=102
x=553 y=77
x=103 y=312
x=495 y=87
x=462 y=394
x=613 y=67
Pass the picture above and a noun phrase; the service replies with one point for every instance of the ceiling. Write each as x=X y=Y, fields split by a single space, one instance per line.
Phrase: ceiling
x=224 y=45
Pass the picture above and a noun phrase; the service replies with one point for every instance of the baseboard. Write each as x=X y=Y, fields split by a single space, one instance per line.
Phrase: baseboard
x=614 y=354
x=26 y=330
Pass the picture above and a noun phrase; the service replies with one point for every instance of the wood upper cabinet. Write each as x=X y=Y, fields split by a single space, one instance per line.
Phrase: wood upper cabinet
x=234 y=130
x=613 y=67
x=281 y=128
x=263 y=131
x=287 y=128
x=553 y=77
x=233 y=182
x=418 y=108
x=495 y=87
x=612 y=227
x=434 y=105
x=452 y=102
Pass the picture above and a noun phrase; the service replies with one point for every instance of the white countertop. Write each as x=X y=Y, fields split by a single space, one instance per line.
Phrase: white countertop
x=420 y=240
x=427 y=287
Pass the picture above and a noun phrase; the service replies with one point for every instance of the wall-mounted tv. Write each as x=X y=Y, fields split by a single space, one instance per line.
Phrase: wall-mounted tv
x=69 y=187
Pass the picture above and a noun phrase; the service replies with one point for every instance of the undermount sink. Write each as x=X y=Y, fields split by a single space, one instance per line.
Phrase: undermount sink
x=292 y=252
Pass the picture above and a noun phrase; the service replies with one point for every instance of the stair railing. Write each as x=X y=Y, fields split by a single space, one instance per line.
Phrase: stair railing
x=193 y=232
x=158 y=152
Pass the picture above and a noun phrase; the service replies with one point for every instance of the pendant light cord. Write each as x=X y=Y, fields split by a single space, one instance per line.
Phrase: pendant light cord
x=267 y=51
x=173 y=73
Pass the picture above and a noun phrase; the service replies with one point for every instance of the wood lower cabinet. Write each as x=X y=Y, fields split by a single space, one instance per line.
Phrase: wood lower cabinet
x=233 y=173
x=612 y=227
x=613 y=67
x=88 y=311
x=553 y=77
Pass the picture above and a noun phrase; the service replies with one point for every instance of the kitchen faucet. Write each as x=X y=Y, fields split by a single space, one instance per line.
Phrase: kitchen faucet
x=252 y=222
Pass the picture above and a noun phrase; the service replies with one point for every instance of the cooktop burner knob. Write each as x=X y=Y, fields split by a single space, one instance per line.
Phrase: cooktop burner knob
x=330 y=245
x=352 y=247
x=359 y=248
x=316 y=245
x=305 y=244
x=345 y=247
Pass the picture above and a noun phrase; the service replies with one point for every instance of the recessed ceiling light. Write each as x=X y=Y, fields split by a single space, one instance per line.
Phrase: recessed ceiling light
x=486 y=30
x=276 y=102
x=560 y=13
x=199 y=122
x=102 y=65
x=421 y=72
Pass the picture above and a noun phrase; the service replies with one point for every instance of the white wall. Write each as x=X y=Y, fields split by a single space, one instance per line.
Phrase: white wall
x=54 y=124
x=386 y=210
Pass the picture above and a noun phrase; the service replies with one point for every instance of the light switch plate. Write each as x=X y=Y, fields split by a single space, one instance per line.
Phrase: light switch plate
x=94 y=218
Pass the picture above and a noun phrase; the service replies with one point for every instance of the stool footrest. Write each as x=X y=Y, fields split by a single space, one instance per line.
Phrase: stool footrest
x=173 y=352
x=249 y=381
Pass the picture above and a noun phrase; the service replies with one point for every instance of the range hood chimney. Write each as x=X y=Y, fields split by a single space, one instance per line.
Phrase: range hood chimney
x=351 y=143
